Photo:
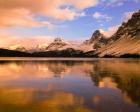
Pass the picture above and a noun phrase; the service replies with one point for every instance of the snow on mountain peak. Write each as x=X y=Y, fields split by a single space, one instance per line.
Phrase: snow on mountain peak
x=58 y=44
x=17 y=47
x=58 y=40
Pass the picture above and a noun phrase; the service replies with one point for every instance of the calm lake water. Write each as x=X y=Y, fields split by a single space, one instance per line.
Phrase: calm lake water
x=69 y=85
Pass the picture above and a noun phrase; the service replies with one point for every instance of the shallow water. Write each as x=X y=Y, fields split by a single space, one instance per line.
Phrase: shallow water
x=69 y=85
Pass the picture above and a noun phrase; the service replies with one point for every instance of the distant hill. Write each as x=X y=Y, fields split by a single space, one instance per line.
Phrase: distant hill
x=12 y=53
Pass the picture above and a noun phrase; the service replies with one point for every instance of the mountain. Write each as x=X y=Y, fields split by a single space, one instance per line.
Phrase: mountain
x=96 y=36
x=57 y=44
x=59 y=48
x=97 y=41
x=17 y=48
x=126 y=41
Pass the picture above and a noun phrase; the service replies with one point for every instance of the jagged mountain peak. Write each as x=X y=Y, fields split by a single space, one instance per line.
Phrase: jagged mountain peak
x=130 y=28
x=96 y=41
x=126 y=40
x=96 y=36
x=58 y=40
x=57 y=44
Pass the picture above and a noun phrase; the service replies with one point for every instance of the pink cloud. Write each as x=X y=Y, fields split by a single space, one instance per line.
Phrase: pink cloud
x=6 y=41
x=21 y=12
x=20 y=17
x=82 y=4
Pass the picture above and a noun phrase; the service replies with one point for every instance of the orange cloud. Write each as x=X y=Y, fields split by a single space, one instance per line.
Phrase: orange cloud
x=82 y=4
x=22 y=12
x=16 y=18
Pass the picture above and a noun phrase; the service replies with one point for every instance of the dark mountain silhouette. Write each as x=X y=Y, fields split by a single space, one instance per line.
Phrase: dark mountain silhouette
x=61 y=53
x=12 y=53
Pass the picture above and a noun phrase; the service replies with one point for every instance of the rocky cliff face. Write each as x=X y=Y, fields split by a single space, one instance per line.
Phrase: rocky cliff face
x=97 y=40
x=125 y=41
x=96 y=36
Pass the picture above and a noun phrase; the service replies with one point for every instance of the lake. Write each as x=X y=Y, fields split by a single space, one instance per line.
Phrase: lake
x=69 y=85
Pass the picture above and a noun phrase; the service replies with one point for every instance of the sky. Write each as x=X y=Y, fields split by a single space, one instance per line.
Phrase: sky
x=33 y=22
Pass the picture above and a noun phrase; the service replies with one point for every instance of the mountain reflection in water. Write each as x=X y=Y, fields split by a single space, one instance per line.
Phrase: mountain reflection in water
x=103 y=85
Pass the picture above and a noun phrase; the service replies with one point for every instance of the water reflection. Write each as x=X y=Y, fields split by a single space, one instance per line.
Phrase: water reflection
x=70 y=86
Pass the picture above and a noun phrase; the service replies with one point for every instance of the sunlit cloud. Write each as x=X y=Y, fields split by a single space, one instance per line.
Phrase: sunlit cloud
x=101 y=17
x=20 y=17
x=110 y=31
x=8 y=41
x=22 y=12
x=116 y=3
x=82 y=4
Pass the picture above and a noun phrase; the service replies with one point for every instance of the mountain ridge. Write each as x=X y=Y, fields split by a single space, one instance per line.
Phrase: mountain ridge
x=124 y=43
